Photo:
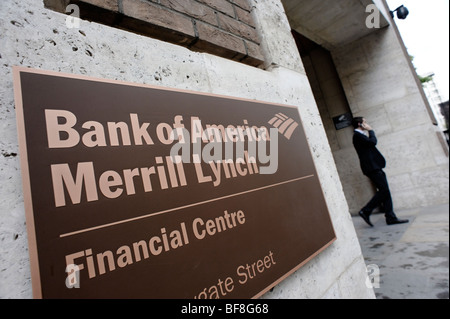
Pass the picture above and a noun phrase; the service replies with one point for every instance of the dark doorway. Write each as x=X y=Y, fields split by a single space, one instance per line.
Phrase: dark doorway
x=327 y=89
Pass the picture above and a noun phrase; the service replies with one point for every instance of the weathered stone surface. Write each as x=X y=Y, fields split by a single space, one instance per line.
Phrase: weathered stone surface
x=157 y=22
x=214 y=40
x=37 y=37
x=192 y=9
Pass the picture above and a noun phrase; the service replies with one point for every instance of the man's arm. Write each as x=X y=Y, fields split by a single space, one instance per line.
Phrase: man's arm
x=362 y=140
x=372 y=139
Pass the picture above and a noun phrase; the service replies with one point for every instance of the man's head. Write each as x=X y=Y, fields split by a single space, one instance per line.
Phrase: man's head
x=357 y=121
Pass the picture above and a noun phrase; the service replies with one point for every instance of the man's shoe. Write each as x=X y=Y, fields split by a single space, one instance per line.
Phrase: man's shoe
x=366 y=217
x=396 y=221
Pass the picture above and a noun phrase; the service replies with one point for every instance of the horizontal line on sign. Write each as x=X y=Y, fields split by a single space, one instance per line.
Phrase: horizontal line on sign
x=178 y=208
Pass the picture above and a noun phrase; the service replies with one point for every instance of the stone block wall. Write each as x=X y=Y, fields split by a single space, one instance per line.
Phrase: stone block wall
x=221 y=27
x=380 y=84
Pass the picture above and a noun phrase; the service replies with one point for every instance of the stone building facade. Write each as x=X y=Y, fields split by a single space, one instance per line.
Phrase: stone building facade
x=244 y=49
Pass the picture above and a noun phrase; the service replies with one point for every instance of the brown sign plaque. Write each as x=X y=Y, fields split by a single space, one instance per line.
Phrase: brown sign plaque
x=111 y=214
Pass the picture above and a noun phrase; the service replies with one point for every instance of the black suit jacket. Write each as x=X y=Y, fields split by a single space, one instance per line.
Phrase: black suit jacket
x=370 y=157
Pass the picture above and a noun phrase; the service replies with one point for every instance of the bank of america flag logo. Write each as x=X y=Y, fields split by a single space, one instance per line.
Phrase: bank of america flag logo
x=285 y=125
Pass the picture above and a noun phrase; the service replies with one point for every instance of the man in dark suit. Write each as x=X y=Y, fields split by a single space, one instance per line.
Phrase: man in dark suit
x=372 y=165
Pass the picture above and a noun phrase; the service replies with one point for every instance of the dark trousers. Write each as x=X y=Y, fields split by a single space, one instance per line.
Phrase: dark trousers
x=383 y=195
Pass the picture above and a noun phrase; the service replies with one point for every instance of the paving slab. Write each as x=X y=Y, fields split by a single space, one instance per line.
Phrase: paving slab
x=411 y=260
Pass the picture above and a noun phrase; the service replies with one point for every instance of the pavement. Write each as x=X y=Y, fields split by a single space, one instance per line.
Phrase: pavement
x=408 y=261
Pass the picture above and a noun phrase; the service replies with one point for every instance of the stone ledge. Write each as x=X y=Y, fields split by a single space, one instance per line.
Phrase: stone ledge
x=198 y=26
